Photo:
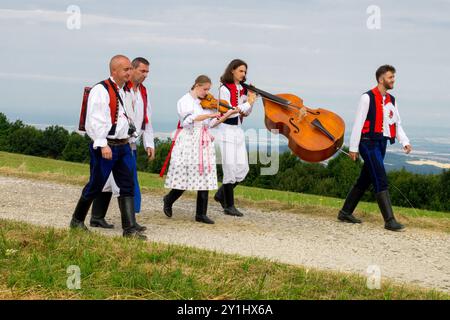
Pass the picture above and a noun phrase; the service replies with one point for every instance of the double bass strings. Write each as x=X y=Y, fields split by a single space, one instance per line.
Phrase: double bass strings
x=276 y=99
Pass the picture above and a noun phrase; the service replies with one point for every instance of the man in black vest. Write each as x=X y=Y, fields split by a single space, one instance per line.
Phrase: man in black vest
x=377 y=122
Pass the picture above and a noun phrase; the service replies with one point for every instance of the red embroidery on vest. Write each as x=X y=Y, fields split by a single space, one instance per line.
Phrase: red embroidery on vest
x=366 y=127
x=379 y=119
x=378 y=110
x=113 y=101
x=235 y=94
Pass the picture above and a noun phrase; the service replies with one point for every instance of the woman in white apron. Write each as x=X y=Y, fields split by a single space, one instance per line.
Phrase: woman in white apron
x=193 y=159
x=230 y=135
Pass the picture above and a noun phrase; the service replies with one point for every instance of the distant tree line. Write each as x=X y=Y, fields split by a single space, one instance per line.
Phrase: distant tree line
x=54 y=142
x=430 y=191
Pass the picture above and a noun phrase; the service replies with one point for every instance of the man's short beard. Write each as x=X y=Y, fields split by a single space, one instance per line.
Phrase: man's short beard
x=388 y=86
x=135 y=81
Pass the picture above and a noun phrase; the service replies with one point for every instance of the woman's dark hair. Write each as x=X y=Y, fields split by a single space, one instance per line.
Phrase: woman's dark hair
x=227 y=76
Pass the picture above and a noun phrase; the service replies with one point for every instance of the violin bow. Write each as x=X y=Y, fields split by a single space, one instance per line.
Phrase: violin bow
x=218 y=101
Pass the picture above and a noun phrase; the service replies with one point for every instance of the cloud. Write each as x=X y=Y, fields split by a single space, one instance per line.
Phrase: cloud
x=151 y=39
x=41 y=77
x=263 y=26
x=39 y=15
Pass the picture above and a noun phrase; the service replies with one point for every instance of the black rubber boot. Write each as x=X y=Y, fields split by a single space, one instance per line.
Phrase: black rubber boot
x=202 y=208
x=80 y=213
x=140 y=228
x=169 y=200
x=219 y=197
x=99 y=209
x=230 y=209
x=384 y=202
x=127 y=214
x=352 y=200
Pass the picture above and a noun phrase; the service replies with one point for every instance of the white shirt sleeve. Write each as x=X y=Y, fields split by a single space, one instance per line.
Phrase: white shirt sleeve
x=401 y=135
x=361 y=115
x=245 y=107
x=224 y=94
x=148 y=135
x=210 y=122
x=98 y=118
x=213 y=122
x=185 y=112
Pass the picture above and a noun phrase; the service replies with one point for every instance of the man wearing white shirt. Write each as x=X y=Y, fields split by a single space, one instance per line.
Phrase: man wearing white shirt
x=139 y=110
x=377 y=122
x=110 y=128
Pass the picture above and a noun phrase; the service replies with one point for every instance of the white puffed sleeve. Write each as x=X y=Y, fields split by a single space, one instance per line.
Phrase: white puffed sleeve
x=361 y=115
x=148 y=136
x=98 y=117
x=185 y=110
x=401 y=135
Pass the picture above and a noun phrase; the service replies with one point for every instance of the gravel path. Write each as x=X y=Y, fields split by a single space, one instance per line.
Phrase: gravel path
x=414 y=256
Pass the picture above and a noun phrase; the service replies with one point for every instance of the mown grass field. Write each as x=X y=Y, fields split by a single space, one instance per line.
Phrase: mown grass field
x=34 y=262
x=274 y=200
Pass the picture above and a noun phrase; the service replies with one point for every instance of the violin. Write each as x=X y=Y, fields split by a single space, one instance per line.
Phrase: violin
x=314 y=135
x=209 y=102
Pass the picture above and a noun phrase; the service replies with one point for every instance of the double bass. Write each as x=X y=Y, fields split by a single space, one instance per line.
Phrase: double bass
x=314 y=135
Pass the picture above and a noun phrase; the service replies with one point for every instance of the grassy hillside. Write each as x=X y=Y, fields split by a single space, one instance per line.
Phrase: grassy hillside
x=34 y=262
x=76 y=173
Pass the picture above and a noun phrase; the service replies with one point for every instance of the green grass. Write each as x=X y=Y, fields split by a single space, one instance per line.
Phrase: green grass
x=294 y=198
x=76 y=173
x=34 y=262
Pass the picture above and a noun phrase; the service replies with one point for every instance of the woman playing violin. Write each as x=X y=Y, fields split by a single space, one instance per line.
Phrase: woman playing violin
x=193 y=158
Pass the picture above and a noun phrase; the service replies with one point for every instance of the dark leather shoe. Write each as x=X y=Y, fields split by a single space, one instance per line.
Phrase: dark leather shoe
x=140 y=228
x=134 y=234
x=232 y=211
x=76 y=224
x=345 y=217
x=204 y=219
x=100 y=223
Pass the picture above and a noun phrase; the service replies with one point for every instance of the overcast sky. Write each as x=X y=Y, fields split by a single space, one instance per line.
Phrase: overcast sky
x=322 y=51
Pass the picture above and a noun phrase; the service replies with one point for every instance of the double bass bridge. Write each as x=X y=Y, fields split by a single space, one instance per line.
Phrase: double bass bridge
x=318 y=125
